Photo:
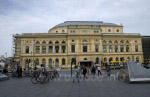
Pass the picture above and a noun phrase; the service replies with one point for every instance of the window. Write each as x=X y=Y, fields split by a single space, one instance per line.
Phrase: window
x=121 y=48
x=37 y=49
x=57 y=63
x=63 y=62
x=63 y=49
x=37 y=62
x=57 y=49
x=110 y=42
x=136 y=48
x=37 y=42
x=110 y=59
x=104 y=49
x=116 y=48
x=122 y=59
x=50 y=42
x=97 y=60
x=43 y=61
x=50 y=63
x=63 y=30
x=127 y=42
x=117 y=30
x=117 y=59
x=72 y=48
x=127 y=48
x=43 y=49
x=27 y=49
x=116 y=42
x=96 y=48
x=57 y=42
x=104 y=42
x=109 y=30
x=121 y=42
x=44 y=42
x=110 y=48
x=50 y=49
x=84 y=48
x=63 y=42
x=137 y=59
x=72 y=40
x=105 y=59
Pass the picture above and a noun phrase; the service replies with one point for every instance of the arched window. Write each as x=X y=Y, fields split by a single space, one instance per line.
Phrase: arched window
x=63 y=62
x=37 y=61
x=115 y=42
x=110 y=59
x=57 y=62
x=57 y=42
x=127 y=42
x=110 y=42
x=37 y=42
x=84 y=41
x=44 y=61
x=105 y=59
x=44 y=42
x=117 y=59
x=97 y=60
x=121 y=42
x=104 y=42
x=50 y=63
x=63 y=42
x=109 y=30
x=122 y=59
x=50 y=42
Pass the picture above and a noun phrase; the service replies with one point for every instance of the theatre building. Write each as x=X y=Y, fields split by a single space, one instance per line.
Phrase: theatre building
x=84 y=42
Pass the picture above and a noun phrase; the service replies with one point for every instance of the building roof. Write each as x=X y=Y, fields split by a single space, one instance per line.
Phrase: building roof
x=80 y=23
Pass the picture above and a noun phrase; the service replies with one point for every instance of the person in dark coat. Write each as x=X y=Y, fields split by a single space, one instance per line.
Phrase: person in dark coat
x=84 y=72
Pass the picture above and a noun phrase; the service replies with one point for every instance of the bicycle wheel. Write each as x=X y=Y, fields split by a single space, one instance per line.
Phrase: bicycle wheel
x=34 y=80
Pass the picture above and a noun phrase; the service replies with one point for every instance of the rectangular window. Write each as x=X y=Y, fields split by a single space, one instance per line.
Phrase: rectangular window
x=116 y=48
x=63 y=49
x=84 y=48
x=50 y=49
x=96 y=48
x=73 y=48
x=43 y=49
x=136 y=48
x=37 y=49
x=121 y=48
x=110 y=48
x=27 y=49
x=104 y=49
x=127 y=48
x=57 y=49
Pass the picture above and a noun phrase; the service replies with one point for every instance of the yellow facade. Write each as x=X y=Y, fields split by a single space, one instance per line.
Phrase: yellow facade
x=55 y=47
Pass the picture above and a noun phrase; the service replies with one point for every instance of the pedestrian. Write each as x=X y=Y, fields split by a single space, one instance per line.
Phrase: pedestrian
x=84 y=72
x=93 y=71
x=99 y=70
x=20 y=72
x=76 y=74
x=108 y=69
x=17 y=71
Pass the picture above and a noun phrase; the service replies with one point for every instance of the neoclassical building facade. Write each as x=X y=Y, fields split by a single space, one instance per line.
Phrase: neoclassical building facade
x=78 y=42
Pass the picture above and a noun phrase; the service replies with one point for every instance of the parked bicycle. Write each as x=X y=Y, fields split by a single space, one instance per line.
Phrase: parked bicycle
x=39 y=78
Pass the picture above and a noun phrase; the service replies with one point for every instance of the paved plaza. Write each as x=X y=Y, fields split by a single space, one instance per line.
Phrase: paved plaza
x=64 y=87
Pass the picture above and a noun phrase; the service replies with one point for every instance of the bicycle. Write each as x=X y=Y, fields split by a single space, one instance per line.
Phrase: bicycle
x=39 y=78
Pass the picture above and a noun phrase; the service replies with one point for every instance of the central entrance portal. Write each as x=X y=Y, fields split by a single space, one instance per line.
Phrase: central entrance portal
x=86 y=63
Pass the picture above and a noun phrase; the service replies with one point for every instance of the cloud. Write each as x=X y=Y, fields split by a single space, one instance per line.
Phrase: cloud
x=30 y=16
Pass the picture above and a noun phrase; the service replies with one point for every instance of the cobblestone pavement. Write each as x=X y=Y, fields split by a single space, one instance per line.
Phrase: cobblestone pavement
x=64 y=87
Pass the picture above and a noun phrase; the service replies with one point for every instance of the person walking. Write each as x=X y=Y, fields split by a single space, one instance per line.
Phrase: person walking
x=93 y=71
x=84 y=72
x=76 y=74
x=99 y=70
x=108 y=69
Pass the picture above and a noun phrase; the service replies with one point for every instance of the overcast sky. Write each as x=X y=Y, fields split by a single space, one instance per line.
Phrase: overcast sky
x=31 y=16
